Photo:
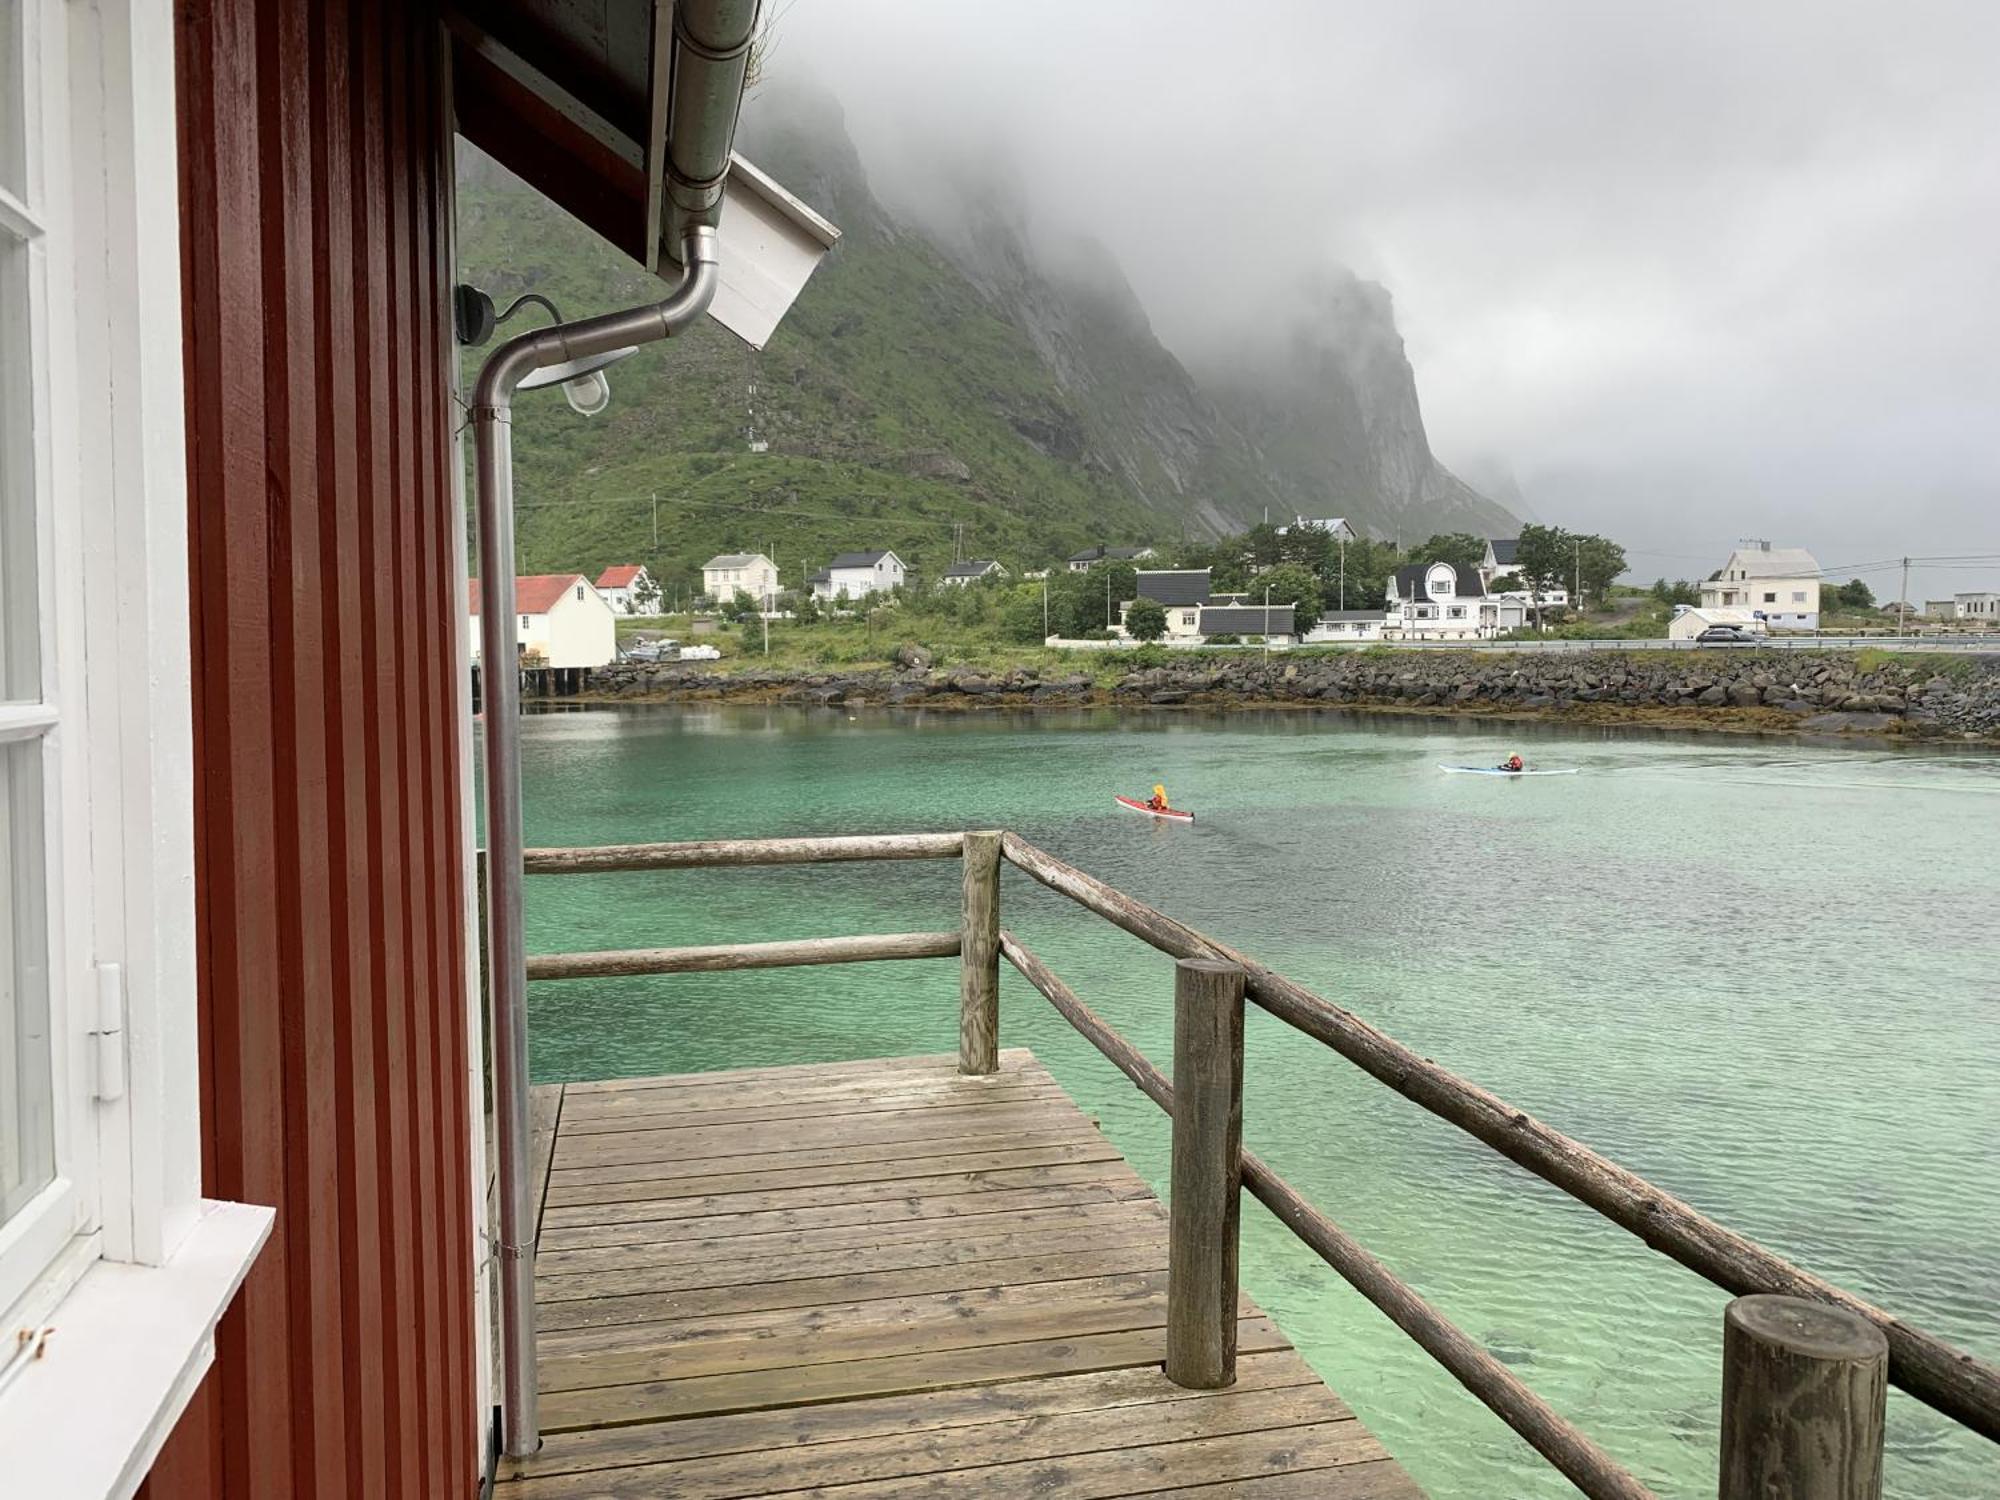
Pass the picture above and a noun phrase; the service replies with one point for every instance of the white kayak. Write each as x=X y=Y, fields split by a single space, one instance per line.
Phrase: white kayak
x=1498 y=771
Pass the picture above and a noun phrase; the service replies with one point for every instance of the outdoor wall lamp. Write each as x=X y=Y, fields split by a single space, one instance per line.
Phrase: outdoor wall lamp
x=583 y=381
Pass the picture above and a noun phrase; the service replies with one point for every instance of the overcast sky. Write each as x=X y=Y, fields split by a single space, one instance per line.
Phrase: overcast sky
x=1690 y=272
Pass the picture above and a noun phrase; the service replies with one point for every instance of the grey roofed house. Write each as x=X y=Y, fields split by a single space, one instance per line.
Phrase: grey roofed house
x=731 y=560
x=1349 y=615
x=1410 y=582
x=822 y=576
x=859 y=559
x=1102 y=553
x=1504 y=551
x=1177 y=587
x=1249 y=619
x=972 y=568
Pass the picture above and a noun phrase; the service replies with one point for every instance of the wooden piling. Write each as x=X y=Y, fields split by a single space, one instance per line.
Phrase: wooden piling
x=1206 y=1175
x=979 y=957
x=1804 y=1385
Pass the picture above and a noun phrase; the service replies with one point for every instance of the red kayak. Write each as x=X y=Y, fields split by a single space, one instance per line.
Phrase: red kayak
x=1171 y=814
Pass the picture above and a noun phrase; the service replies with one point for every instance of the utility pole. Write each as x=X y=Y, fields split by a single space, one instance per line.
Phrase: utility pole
x=656 y=522
x=1903 y=600
x=1343 y=573
x=1267 y=620
x=767 y=631
x=1045 y=611
x=1576 y=590
x=1107 y=596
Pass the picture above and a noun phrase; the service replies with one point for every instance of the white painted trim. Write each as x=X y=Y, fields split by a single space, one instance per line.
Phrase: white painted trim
x=130 y=1344
x=460 y=700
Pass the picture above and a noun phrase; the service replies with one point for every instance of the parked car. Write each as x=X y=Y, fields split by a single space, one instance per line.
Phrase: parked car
x=1728 y=635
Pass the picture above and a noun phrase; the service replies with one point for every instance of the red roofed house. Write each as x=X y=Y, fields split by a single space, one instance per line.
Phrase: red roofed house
x=629 y=589
x=564 y=620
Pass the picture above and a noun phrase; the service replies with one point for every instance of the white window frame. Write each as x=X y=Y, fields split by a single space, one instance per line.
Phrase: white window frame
x=32 y=1241
x=89 y=1413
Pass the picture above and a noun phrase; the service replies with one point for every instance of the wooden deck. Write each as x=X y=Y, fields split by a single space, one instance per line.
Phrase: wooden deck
x=881 y=1279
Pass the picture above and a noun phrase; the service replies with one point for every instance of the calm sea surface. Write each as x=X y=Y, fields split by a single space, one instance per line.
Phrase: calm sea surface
x=1762 y=974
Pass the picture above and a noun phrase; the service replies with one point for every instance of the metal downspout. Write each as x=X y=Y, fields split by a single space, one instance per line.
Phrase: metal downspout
x=493 y=478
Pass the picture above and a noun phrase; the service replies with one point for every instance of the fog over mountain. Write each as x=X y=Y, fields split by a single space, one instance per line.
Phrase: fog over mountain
x=1682 y=274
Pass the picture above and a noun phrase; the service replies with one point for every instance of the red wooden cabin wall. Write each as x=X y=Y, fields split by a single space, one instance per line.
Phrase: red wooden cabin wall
x=315 y=203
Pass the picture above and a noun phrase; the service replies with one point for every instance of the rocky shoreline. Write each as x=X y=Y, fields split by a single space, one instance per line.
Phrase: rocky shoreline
x=1751 y=691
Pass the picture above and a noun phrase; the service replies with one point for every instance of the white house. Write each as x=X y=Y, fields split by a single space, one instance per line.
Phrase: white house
x=855 y=575
x=1336 y=625
x=1982 y=608
x=1502 y=559
x=1689 y=622
x=1334 y=526
x=1780 y=583
x=1183 y=591
x=959 y=574
x=752 y=572
x=1434 y=601
x=1090 y=557
x=564 y=621
x=629 y=589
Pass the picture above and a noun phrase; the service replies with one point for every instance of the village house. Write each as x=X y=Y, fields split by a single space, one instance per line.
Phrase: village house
x=1272 y=623
x=1195 y=614
x=1943 y=611
x=1336 y=625
x=855 y=575
x=959 y=574
x=1435 y=601
x=629 y=589
x=1502 y=560
x=1981 y=607
x=564 y=621
x=1780 y=583
x=1183 y=591
x=752 y=572
x=1090 y=557
x=1334 y=526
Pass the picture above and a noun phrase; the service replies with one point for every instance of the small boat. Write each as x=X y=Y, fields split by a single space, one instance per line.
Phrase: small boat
x=1503 y=771
x=1171 y=814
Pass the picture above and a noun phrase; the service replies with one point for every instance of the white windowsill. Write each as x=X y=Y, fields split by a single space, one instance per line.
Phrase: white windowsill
x=131 y=1343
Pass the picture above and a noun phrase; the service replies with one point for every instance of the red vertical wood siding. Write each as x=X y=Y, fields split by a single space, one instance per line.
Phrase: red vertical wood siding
x=313 y=153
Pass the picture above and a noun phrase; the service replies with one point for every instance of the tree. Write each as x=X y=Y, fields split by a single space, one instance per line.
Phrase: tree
x=645 y=596
x=1854 y=594
x=1021 y=615
x=1288 y=583
x=1146 y=620
x=1596 y=562
x=1369 y=565
x=1462 y=550
x=1680 y=591
x=1542 y=558
x=741 y=606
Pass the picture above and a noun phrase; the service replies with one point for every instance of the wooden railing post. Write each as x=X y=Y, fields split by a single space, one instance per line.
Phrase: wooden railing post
x=979 y=958
x=1207 y=1174
x=1804 y=1385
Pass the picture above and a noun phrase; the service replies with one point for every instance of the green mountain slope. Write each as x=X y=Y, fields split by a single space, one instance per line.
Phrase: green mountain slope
x=943 y=397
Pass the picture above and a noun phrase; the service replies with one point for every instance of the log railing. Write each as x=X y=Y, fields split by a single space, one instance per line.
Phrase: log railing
x=1806 y=1362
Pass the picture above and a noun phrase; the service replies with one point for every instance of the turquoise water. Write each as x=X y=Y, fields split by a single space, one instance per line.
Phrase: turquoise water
x=1760 y=973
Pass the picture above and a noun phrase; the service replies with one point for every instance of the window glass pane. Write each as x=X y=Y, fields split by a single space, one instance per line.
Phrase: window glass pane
x=27 y=1134
x=20 y=643
x=13 y=97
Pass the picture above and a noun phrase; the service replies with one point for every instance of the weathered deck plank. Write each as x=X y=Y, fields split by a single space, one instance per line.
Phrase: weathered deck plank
x=885 y=1280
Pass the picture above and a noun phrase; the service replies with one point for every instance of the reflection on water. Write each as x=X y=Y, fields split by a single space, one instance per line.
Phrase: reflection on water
x=1758 y=972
